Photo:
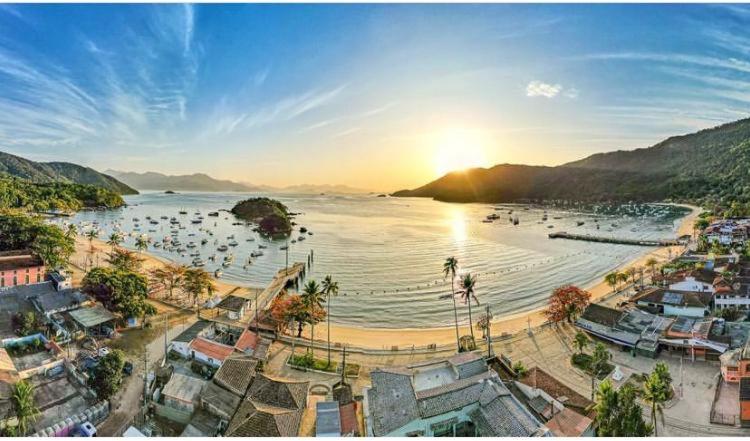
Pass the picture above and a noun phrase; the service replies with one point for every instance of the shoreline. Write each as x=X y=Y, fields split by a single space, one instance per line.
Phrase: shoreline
x=380 y=338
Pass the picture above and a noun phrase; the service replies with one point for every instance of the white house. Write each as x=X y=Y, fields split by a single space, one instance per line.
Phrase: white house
x=675 y=303
x=209 y=352
x=181 y=343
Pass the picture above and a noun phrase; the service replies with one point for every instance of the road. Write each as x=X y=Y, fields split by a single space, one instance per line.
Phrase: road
x=127 y=402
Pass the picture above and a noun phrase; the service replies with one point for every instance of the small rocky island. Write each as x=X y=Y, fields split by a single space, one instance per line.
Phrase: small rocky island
x=272 y=217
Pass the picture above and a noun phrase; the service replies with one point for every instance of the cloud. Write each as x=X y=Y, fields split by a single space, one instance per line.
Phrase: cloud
x=538 y=88
x=260 y=77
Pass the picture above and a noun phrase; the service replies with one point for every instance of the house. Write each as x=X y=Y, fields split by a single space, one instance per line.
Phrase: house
x=236 y=374
x=218 y=401
x=20 y=267
x=92 y=319
x=745 y=402
x=568 y=423
x=273 y=407
x=731 y=295
x=674 y=303
x=181 y=343
x=182 y=392
x=234 y=306
x=694 y=338
x=327 y=419
x=55 y=302
x=458 y=396
x=251 y=343
x=538 y=379
x=735 y=364
x=209 y=352
x=695 y=280
x=727 y=232
x=61 y=281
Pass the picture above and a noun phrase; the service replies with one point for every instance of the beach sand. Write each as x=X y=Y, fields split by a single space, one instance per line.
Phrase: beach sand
x=381 y=338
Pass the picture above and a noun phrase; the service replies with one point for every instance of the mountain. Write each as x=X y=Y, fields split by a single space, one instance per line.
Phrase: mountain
x=711 y=165
x=194 y=182
x=317 y=189
x=47 y=172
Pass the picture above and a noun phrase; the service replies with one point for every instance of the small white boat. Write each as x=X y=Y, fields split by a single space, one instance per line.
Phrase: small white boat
x=233 y=243
x=222 y=248
x=218 y=273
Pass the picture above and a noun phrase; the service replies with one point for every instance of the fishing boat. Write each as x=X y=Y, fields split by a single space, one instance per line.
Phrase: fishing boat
x=515 y=220
x=198 y=262
x=214 y=213
x=196 y=221
x=222 y=248
x=301 y=238
x=195 y=254
x=284 y=247
x=250 y=239
x=183 y=212
x=302 y=230
x=218 y=273
x=204 y=241
x=157 y=245
x=191 y=245
x=233 y=243
x=256 y=254
x=261 y=246
x=579 y=223
x=164 y=217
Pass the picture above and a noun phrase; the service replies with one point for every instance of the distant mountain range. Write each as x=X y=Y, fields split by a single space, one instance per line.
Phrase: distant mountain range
x=712 y=165
x=44 y=172
x=204 y=182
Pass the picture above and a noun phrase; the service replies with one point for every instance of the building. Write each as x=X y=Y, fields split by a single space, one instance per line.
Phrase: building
x=273 y=407
x=235 y=307
x=635 y=330
x=222 y=396
x=182 y=392
x=20 y=267
x=695 y=280
x=327 y=419
x=693 y=337
x=93 y=320
x=181 y=343
x=728 y=232
x=209 y=352
x=458 y=396
x=745 y=402
x=674 y=303
x=55 y=302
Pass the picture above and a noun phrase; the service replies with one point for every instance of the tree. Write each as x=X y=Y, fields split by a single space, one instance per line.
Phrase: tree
x=631 y=272
x=617 y=412
x=168 y=277
x=197 y=283
x=71 y=231
x=115 y=239
x=92 y=234
x=285 y=309
x=611 y=280
x=622 y=277
x=26 y=323
x=121 y=291
x=468 y=284
x=483 y=324
x=330 y=289
x=599 y=362
x=655 y=394
x=106 y=377
x=141 y=243
x=520 y=369
x=312 y=298
x=450 y=266
x=731 y=314
x=651 y=263
x=24 y=407
x=580 y=341
x=49 y=242
x=566 y=303
x=124 y=260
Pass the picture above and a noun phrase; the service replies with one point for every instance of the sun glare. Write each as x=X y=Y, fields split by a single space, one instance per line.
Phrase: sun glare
x=458 y=150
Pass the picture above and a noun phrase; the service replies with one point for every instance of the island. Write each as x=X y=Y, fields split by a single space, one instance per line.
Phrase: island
x=170 y=192
x=272 y=217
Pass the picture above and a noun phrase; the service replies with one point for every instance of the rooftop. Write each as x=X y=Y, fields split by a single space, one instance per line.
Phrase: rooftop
x=18 y=259
x=190 y=333
x=673 y=297
x=183 y=388
x=90 y=316
x=569 y=423
x=232 y=303
x=211 y=349
x=225 y=402
x=59 y=300
x=328 y=419
x=540 y=379
x=236 y=374
x=248 y=340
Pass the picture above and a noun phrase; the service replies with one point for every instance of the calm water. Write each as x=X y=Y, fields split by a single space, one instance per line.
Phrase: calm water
x=387 y=253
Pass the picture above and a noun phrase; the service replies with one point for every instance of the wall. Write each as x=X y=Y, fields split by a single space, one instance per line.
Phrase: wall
x=36 y=275
x=182 y=348
x=205 y=359
x=690 y=284
x=684 y=311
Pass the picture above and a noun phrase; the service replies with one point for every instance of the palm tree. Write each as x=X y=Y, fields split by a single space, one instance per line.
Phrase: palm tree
x=632 y=272
x=91 y=235
x=450 y=266
x=580 y=341
x=25 y=408
x=651 y=263
x=141 y=243
x=330 y=289
x=71 y=231
x=622 y=277
x=313 y=299
x=115 y=239
x=195 y=282
x=599 y=360
x=611 y=280
x=467 y=294
x=654 y=393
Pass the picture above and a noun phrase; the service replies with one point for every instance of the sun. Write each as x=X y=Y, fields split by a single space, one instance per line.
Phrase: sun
x=458 y=150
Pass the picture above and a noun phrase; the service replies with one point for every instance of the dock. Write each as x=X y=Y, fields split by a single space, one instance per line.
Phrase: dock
x=283 y=278
x=616 y=240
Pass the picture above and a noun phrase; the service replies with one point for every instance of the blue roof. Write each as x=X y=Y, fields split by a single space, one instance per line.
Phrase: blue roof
x=328 y=420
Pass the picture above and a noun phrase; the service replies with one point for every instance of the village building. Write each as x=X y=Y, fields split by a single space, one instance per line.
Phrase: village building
x=673 y=303
x=20 y=267
x=728 y=232
x=327 y=419
x=209 y=352
x=632 y=329
x=182 y=393
x=93 y=320
x=696 y=280
x=458 y=396
x=181 y=343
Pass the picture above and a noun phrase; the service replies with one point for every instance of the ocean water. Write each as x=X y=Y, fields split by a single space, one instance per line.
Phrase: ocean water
x=387 y=253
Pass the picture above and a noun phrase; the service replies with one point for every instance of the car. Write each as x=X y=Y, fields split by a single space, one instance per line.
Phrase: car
x=127 y=368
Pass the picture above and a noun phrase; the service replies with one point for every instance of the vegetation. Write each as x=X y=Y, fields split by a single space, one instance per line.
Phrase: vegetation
x=124 y=260
x=566 y=303
x=106 y=377
x=167 y=278
x=27 y=323
x=450 y=267
x=581 y=341
x=119 y=290
x=617 y=412
x=197 y=283
x=28 y=196
x=307 y=361
x=272 y=216
x=65 y=172
x=520 y=369
x=24 y=406
x=467 y=294
x=330 y=289
x=731 y=314
x=657 y=390
x=50 y=243
x=312 y=298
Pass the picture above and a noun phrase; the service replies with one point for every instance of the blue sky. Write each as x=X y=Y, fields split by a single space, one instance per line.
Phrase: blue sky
x=373 y=96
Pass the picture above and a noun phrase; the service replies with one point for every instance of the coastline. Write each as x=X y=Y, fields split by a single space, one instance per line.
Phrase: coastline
x=379 y=338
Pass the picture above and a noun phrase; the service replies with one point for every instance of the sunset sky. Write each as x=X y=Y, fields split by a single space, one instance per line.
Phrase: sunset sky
x=381 y=97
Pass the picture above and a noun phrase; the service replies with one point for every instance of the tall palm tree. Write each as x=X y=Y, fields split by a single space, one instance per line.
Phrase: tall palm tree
x=654 y=393
x=467 y=284
x=71 y=231
x=450 y=266
x=196 y=282
x=115 y=239
x=651 y=263
x=25 y=408
x=611 y=280
x=330 y=289
x=141 y=243
x=313 y=298
x=632 y=272
x=622 y=277
x=91 y=235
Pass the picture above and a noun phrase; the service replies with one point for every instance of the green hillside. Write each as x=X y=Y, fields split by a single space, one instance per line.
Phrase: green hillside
x=47 y=172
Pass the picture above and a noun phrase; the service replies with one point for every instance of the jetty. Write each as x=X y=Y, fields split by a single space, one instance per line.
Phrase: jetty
x=283 y=279
x=616 y=240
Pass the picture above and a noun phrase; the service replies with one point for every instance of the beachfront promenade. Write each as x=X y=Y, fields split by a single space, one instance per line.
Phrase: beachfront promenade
x=616 y=240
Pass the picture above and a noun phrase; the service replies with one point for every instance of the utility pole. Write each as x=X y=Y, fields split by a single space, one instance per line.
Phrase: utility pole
x=489 y=333
x=145 y=382
x=166 y=332
x=257 y=329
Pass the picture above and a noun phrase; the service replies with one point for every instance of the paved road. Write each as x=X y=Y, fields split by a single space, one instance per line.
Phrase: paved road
x=127 y=402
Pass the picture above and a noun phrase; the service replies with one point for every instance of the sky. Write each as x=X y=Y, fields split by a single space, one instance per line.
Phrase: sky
x=381 y=97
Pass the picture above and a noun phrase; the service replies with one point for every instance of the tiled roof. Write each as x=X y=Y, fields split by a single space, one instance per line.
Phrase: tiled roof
x=452 y=396
x=392 y=401
x=236 y=374
x=62 y=300
x=674 y=297
x=503 y=415
x=287 y=394
x=349 y=424
x=190 y=333
x=232 y=303
x=540 y=379
x=21 y=259
x=601 y=314
x=568 y=423
x=211 y=349
x=225 y=402
x=183 y=388
x=255 y=419
x=248 y=340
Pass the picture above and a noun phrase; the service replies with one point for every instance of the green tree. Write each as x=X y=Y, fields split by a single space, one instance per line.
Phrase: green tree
x=611 y=280
x=450 y=266
x=141 y=243
x=580 y=341
x=24 y=406
x=92 y=234
x=312 y=298
x=168 y=277
x=520 y=369
x=651 y=263
x=599 y=362
x=655 y=394
x=124 y=260
x=121 y=291
x=330 y=289
x=115 y=239
x=19 y=230
x=617 y=412
x=71 y=231
x=622 y=277
x=106 y=377
x=197 y=283
x=468 y=285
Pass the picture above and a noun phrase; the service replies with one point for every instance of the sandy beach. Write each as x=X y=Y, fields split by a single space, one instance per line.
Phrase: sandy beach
x=387 y=338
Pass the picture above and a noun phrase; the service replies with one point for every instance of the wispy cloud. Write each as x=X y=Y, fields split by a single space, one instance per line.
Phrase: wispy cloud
x=541 y=89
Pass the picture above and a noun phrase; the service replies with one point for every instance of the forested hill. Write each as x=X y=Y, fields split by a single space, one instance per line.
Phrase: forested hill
x=709 y=166
x=65 y=172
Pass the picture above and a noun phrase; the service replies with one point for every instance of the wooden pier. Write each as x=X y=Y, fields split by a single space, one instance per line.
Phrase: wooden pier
x=616 y=240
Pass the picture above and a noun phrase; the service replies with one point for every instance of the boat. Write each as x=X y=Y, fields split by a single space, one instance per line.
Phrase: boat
x=154 y=222
x=301 y=238
x=204 y=241
x=214 y=213
x=261 y=246
x=183 y=212
x=195 y=254
x=231 y=236
x=196 y=221
x=218 y=273
x=233 y=243
x=250 y=239
x=222 y=248
x=550 y=226
x=486 y=221
x=164 y=217
x=284 y=247
x=579 y=223
x=302 y=230
x=294 y=240
x=515 y=220
x=157 y=245
x=256 y=254
x=226 y=264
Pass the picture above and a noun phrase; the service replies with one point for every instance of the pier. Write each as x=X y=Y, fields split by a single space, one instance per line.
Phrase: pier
x=616 y=240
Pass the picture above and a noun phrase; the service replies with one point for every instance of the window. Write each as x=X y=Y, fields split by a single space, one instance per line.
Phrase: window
x=27 y=279
x=15 y=280
x=38 y=277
